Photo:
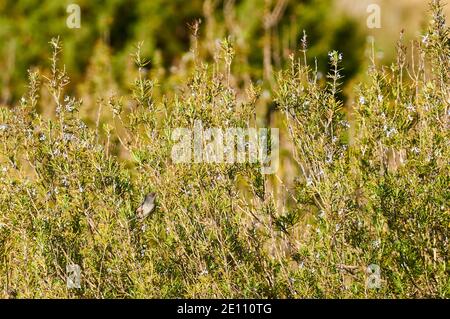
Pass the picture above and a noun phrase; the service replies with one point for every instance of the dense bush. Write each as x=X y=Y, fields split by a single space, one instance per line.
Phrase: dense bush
x=372 y=187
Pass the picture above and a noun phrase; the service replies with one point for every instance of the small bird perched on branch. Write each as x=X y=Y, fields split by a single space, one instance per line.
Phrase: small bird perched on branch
x=147 y=206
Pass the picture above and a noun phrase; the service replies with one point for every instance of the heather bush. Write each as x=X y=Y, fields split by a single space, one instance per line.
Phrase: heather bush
x=370 y=197
x=375 y=179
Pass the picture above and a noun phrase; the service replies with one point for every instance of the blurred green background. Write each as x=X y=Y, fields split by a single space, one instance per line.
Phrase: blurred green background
x=110 y=29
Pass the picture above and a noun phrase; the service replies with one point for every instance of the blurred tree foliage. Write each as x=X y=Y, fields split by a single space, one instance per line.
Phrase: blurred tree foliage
x=27 y=26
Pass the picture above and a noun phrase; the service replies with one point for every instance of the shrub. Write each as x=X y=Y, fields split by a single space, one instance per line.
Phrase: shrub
x=377 y=192
x=372 y=190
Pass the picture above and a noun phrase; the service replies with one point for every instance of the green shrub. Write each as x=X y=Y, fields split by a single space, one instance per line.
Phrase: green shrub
x=372 y=188
x=27 y=25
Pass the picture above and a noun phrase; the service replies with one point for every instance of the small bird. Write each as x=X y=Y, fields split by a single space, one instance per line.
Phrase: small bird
x=147 y=206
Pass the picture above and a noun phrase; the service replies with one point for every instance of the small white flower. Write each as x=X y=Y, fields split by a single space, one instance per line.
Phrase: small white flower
x=410 y=107
x=376 y=243
x=82 y=125
x=390 y=131
x=345 y=124
x=29 y=133
x=65 y=182
x=68 y=137
x=415 y=150
x=362 y=100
